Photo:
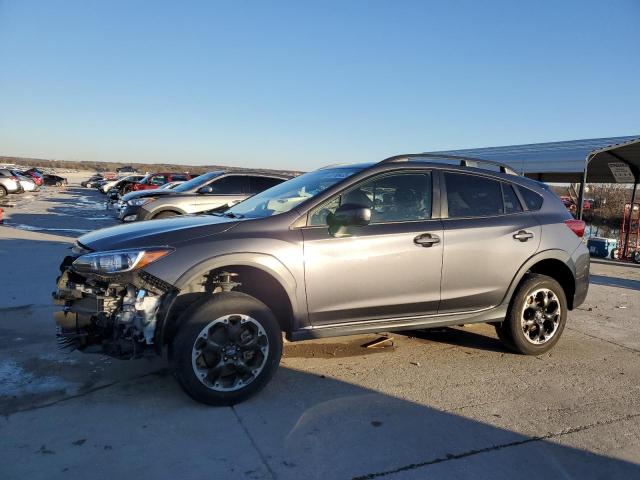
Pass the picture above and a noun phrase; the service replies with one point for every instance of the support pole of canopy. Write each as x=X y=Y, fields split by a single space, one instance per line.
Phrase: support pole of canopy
x=625 y=247
x=581 y=192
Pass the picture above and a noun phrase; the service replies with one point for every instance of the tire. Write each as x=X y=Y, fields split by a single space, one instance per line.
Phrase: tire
x=3 y=191
x=503 y=331
x=614 y=254
x=167 y=214
x=636 y=256
x=532 y=326
x=222 y=320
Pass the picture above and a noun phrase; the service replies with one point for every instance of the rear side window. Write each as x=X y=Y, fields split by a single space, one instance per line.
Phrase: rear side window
x=511 y=202
x=531 y=198
x=472 y=196
x=259 y=184
x=179 y=178
x=230 y=185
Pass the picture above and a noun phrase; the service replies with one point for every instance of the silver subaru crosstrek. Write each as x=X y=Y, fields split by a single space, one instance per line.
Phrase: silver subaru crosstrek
x=414 y=241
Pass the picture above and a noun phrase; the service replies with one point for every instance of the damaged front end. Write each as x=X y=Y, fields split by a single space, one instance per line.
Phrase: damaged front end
x=109 y=306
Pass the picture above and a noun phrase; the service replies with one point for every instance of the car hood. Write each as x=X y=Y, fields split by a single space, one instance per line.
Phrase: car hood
x=145 y=193
x=168 y=231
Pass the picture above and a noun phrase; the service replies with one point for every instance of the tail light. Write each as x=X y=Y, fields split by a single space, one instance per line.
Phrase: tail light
x=576 y=226
x=15 y=179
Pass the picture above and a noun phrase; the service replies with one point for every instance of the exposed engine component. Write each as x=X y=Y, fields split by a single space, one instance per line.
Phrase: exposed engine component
x=116 y=316
x=221 y=282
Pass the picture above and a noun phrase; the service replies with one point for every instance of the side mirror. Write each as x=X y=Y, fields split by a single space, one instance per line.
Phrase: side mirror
x=205 y=189
x=350 y=215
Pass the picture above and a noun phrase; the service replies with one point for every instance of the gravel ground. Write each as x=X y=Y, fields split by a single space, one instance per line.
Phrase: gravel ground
x=450 y=403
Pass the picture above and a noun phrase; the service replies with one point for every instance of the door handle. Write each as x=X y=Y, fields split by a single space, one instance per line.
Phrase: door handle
x=523 y=235
x=426 y=240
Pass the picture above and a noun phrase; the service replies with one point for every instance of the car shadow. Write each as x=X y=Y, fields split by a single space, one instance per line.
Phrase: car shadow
x=615 y=282
x=459 y=336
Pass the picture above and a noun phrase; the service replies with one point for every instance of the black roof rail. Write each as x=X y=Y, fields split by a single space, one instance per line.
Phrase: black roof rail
x=464 y=161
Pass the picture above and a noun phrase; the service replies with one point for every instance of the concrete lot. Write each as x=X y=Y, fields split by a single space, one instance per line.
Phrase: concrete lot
x=450 y=403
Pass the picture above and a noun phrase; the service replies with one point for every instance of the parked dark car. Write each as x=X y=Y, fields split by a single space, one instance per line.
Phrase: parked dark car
x=126 y=169
x=407 y=243
x=91 y=181
x=55 y=180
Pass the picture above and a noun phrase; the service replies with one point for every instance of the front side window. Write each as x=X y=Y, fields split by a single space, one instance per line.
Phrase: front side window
x=401 y=197
x=230 y=185
x=472 y=196
x=197 y=182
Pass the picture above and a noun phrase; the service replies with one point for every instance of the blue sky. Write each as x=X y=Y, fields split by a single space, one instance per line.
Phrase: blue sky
x=301 y=84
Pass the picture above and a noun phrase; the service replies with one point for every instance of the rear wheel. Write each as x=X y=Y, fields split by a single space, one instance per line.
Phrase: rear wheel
x=3 y=191
x=227 y=349
x=536 y=317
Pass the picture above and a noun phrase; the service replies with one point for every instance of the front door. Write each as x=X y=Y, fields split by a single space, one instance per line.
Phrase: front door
x=387 y=269
x=226 y=190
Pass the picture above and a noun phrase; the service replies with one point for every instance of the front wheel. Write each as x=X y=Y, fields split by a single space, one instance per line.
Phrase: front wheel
x=227 y=348
x=3 y=191
x=167 y=214
x=536 y=317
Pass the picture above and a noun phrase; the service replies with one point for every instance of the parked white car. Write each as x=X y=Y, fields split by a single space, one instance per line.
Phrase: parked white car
x=26 y=183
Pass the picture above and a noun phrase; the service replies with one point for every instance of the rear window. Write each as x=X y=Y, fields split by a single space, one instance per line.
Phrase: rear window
x=511 y=202
x=531 y=198
x=259 y=184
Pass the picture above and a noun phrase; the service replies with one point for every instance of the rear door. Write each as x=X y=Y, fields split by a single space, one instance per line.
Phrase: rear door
x=226 y=190
x=487 y=237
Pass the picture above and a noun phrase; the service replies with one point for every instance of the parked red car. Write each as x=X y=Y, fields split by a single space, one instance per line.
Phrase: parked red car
x=34 y=175
x=156 y=180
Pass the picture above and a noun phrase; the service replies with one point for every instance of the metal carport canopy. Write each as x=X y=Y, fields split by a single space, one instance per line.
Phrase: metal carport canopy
x=565 y=161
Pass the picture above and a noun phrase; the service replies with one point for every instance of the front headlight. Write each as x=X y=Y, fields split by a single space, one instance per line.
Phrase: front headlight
x=138 y=202
x=119 y=261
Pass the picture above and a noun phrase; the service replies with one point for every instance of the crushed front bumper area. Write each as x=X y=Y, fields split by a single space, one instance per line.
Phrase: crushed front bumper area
x=115 y=315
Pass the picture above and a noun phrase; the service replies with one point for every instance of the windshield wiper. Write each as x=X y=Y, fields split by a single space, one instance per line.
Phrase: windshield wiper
x=232 y=215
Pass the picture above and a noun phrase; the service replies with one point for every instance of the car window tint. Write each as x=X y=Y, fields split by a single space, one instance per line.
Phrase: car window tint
x=259 y=184
x=230 y=185
x=179 y=178
x=531 y=198
x=392 y=198
x=511 y=202
x=472 y=196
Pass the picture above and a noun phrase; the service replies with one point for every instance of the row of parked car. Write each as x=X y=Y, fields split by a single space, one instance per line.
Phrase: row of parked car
x=166 y=194
x=13 y=180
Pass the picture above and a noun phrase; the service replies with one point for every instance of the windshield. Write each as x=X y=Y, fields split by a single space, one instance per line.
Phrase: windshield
x=289 y=194
x=196 y=182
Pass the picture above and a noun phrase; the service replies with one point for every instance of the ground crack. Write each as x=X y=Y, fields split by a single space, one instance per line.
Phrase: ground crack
x=255 y=445
x=492 y=448
x=631 y=349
